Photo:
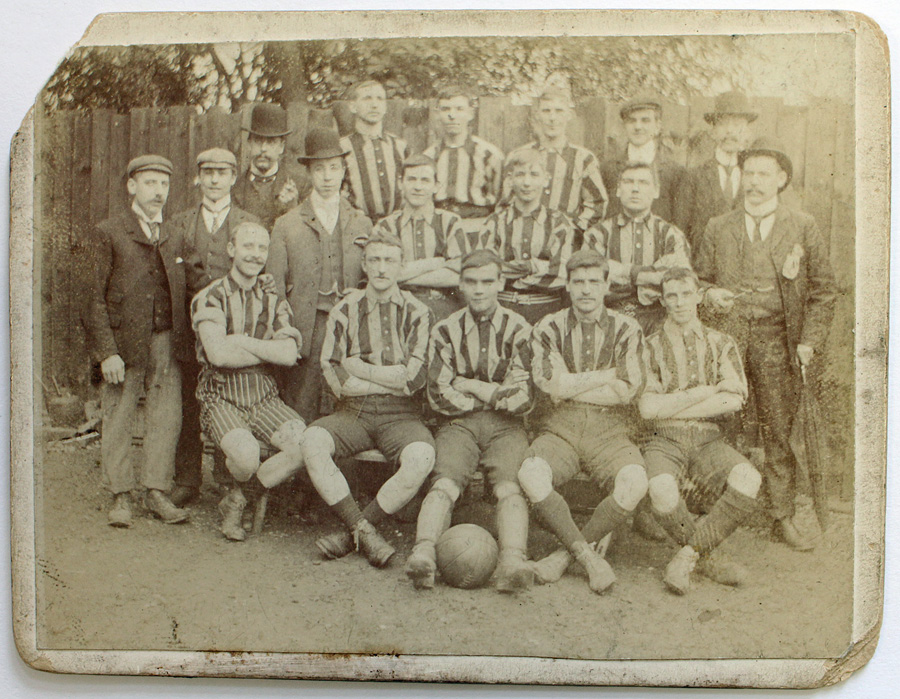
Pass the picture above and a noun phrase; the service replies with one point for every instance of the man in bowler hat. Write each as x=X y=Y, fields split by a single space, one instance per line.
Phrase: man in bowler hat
x=205 y=228
x=714 y=187
x=136 y=328
x=269 y=188
x=772 y=290
x=315 y=258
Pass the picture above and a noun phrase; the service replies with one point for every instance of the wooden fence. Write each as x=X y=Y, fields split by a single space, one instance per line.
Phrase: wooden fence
x=82 y=157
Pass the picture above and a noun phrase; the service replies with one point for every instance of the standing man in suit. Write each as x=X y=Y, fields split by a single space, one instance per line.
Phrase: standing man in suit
x=576 y=186
x=714 y=187
x=642 y=119
x=205 y=229
x=315 y=258
x=374 y=156
x=137 y=332
x=773 y=291
x=269 y=188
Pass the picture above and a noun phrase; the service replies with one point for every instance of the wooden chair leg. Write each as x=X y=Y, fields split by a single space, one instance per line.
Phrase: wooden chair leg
x=259 y=514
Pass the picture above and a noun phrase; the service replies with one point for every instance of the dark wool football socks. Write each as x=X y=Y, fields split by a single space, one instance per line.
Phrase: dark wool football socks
x=678 y=523
x=607 y=516
x=374 y=513
x=348 y=511
x=554 y=512
x=729 y=511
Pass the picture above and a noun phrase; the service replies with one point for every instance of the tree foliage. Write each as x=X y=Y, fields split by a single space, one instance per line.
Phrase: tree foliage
x=230 y=75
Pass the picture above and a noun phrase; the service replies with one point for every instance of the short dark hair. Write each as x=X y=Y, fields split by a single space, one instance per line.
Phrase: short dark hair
x=679 y=274
x=637 y=165
x=354 y=89
x=383 y=237
x=418 y=160
x=451 y=91
x=584 y=259
x=245 y=226
x=480 y=258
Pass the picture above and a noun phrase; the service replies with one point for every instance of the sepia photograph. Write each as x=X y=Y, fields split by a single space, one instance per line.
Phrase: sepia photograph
x=454 y=347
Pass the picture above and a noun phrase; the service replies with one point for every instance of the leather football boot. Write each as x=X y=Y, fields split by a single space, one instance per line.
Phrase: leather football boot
x=182 y=495
x=514 y=573
x=159 y=504
x=231 y=507
x=721 y=569
x=600 y=574
x=421 y=565
x=678 y=573
x=120 y=512
x=371 y=544
x=336 y=545
x=791 y=535
x=551 y=568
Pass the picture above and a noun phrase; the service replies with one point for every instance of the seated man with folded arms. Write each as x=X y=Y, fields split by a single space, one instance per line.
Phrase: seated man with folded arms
x=433 y=239
x=639 y=245
x=587 y=360
x=693 y=376
x=242 y=332
x=478 y=381
x=373 y=359
x=533 y=240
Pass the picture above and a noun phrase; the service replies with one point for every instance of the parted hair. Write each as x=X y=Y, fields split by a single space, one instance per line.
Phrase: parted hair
x=679 y=274
x=245 y=226
x=638 y=165
x=587 y=258
x=451 y=91
x=383 y=237
x=353 y=90
x=418 y=160
x=480 y=258
x=525 y=157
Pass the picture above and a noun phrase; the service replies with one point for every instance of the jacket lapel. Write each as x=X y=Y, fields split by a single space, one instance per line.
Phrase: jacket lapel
x=310 y=218
x=135 y=230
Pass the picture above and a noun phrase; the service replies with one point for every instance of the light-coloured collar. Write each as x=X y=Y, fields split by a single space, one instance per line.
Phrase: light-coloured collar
x=726 y=159
x=142 y=215
x=320 y=203
x=624 y=219
x=544 y=144
x=673 y=329
x=271 y=173
x=575 y=318
x=642 y=154
x=395 y=297
x=256 y=288
x=471 y=324
x=216 y=207
x=426 y=213
x=535 y=213
x=767 y=208
x=463 y=144
x=368 y=130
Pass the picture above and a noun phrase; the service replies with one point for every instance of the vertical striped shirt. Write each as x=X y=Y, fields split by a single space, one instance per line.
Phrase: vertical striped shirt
x=250 y=312
x=646 y=244
x=436 y=234
x=391 y=333
x=543 y=238
x=488 y=350
x=373 y=172
x=576 y=185
x=612 y=341
x=468 y=174
x=676 y=359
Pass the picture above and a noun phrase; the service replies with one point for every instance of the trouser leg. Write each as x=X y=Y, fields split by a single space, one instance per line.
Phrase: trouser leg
x=163 y=414
x=119 y=406
x=189 y=452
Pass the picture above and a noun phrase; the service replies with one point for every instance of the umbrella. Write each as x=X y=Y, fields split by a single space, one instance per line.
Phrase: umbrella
x=807 y=443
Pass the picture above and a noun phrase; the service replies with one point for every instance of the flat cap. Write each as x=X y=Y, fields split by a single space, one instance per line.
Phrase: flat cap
x=149 y=162
x=644 y=101
x=217 y=157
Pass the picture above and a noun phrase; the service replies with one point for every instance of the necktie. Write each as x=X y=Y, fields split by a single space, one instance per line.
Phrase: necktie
x=729 y=184
x=154 y=231
x=588 y=340
x=756 y=236
x=690 y=359
x=214 y=224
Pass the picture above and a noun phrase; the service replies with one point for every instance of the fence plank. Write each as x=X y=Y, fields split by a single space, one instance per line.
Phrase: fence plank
x=791 y=131
x=100 y=167
x=182 y=192
x=119 y=155
x=820 y=146
x=491 y=121
x=76 y=373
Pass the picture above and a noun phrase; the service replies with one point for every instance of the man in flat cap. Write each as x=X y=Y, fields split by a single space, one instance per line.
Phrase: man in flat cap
x=269 y=187
x=576 y=186
x=206 y=229
x=714 y=187
x=642 y=121
x=773 y=292
x=315 y=258
x=137 y=332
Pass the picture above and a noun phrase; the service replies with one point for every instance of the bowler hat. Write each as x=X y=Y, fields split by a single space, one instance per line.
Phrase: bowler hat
x=731 y=104
x=645 y=101
x=322 y=144
x=216 y=157
x=142 y=163
x=765 y=145
x=268 y=120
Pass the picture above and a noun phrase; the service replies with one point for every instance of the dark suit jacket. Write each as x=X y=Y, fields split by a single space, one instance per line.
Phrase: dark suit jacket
x=800 y=258
x=118 y=310
x=702 y=199
x=206 y=258
x=672 y=182
x=262 y=200
x=295 y=258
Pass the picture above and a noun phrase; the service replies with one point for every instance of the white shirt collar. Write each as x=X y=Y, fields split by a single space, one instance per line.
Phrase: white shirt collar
x=726 y=159
x=145 y=220
x=271 y=171
x=765 y=209
x=642 y=154
x=217 y=206
x=326 y=210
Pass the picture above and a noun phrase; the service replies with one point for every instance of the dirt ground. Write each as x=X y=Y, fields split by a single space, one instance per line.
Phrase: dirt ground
x=184 y=587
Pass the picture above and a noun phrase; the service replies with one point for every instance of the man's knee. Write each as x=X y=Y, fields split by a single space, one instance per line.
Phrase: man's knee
x=447 y=488
x=317 y=442
x=536 y=478
x=289 y=435
x=630 y=486
x=506 y=489
x=745 y=479
x=664 y=493
x=241 y=453
x=416 y=461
